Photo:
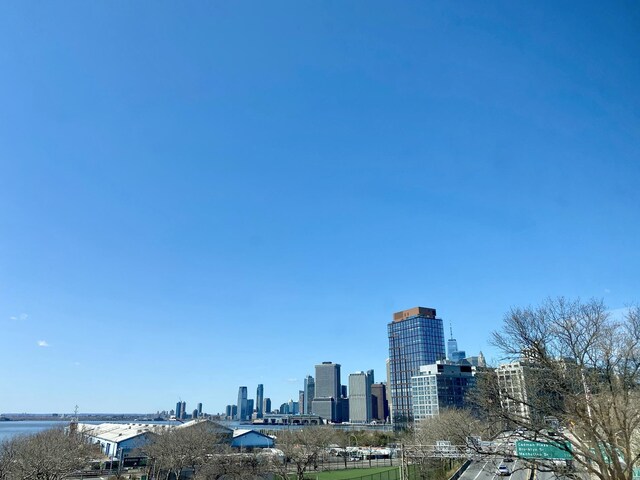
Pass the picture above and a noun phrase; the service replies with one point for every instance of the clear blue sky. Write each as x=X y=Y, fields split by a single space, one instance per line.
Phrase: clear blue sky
x=200 y=195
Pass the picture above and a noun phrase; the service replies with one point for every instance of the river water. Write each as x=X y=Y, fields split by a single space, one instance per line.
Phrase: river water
x=27 y=427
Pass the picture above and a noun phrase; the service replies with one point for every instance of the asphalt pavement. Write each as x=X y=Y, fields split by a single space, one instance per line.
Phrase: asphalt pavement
x=487 y=469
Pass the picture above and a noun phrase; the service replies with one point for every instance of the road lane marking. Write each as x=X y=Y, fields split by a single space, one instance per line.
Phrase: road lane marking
x=482 y=470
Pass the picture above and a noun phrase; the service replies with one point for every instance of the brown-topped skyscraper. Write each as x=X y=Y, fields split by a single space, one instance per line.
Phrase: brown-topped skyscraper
x=416 y=337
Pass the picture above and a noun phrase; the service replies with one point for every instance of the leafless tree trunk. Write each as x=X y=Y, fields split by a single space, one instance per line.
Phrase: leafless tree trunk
x=582 y=367
x=8 y=455
x=174 y=451
x=302 y=449
x=235 y=466
x=48 y=455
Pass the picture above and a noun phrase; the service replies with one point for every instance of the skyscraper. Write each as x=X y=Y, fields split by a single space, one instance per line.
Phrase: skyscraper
x=360 y=397
x=259 y=398
x=416 y=337
x=242 y=404
x=266 y=405
x=183 y=410
x=328 y=380
x=199 y=410
x=178 y=410
x=327 y=391
x=309 y=393
x=452 y=344
x=453 y=353
x=379 y=405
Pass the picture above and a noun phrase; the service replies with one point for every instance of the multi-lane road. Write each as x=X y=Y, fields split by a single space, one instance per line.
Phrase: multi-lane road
x=487 y=469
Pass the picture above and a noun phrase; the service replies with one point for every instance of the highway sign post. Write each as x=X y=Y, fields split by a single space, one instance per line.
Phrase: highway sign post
x=543 y=450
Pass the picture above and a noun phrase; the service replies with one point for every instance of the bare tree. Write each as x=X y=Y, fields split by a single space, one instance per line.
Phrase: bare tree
x=302 y=449
x=178 y=450
x=343 y=439
x=232 y=465
x=581 y=370
x=453 y=425
x=8 y=455
x=433 y=443
x=47 y=455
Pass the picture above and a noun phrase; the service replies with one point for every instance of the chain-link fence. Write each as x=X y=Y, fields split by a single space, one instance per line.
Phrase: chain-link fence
x=388 y=474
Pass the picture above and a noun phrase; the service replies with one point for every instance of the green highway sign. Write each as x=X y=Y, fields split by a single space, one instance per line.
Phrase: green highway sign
x=543 y=450
x=605 y=455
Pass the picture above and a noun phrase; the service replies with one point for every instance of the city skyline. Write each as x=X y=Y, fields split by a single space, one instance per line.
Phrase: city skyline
x=214 y=195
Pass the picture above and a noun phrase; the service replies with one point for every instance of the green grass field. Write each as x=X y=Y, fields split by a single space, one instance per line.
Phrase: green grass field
x=377 y=473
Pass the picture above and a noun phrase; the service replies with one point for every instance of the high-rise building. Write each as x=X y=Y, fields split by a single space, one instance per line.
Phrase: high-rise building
x=343 y=405
x=309 y=393
x=178 y=410
x=379 y=404
x=371 y=375
x=266 y=405
x=249 y=408
x=242 y=404
x=387 y=389
x=476 y=360
x=301 y=401
x=439 y=386
x=416 y=337
x=452 y=343
x=259 y=399
x=328 y=380
x=183 y=410
x=325 y=407
x=199 y=410
x=327 y=392
x=515 y=383
x=360 y=397
x=453 y=354
x=294 y=407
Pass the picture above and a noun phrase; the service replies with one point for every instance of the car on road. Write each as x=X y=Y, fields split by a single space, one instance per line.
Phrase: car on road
x=503 y=470
x=507 y=459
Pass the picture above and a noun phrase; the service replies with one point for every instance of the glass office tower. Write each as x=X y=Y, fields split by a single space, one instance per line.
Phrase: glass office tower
x=416 y=337
x=259 y=400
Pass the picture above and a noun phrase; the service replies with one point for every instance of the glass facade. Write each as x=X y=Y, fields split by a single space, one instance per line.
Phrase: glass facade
x=416 y=337
x=440 y=386
x=259 y=399
x=309 y=393
x=242 y=404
